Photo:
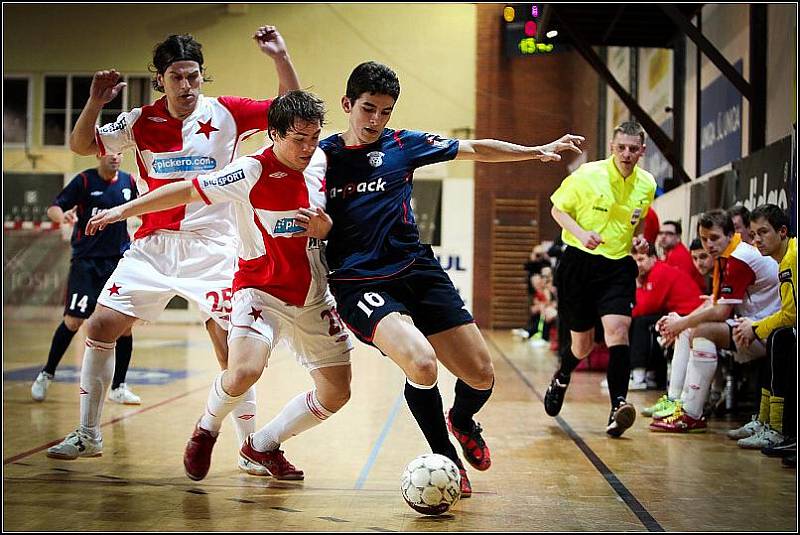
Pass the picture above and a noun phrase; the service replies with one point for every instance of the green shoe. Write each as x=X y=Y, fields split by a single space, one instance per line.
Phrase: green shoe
x=661 y=404
x=670 y=407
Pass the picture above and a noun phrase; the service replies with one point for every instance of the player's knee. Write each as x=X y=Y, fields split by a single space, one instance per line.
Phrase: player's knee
x=73 y=323
x=336 y=399
x=422 y=370
x=481 y=377
x=242 y=377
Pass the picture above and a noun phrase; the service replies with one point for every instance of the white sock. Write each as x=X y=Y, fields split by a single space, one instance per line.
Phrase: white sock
x=244 y=415
x=303 y=412
x=97 y=372
x=218 y=406
x=639 y=375
x=680 y=361
x=702 y=365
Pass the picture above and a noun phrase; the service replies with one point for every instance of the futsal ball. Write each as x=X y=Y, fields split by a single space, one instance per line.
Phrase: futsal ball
x=431 y=484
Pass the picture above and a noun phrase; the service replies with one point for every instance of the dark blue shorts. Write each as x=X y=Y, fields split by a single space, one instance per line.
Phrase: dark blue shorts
x=422 y=291
x=87 y=276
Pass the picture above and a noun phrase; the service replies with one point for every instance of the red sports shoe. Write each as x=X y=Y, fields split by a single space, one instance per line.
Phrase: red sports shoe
x=680 y=422
x=466 y=486
x=274 y=461
x=475 y=449
x=197 y=455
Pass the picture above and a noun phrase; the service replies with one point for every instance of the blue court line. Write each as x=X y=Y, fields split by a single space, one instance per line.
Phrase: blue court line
x=622 y=491
x=362 y=476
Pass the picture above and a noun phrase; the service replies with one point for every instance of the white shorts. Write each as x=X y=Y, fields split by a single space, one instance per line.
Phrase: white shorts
x=162 y=265
x=754 y=351
x=315 y=333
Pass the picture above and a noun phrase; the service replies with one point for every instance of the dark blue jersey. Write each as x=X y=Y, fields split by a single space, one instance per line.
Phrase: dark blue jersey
x=90 y=193
x=368 y=190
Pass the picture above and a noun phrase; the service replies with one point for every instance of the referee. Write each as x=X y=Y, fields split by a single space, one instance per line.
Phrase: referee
x=601 y=208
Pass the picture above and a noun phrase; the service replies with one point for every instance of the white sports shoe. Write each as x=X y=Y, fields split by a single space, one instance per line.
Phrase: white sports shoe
x=521 y=333
x=77 y=444
x=633 y=385
x=254 y=469
x=749 y=429
x=40 y=386
x=122 y=395
x=767 y=438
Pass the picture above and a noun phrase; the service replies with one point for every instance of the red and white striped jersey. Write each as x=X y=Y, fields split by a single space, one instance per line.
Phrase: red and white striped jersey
x=168 y=149
x=266 y=196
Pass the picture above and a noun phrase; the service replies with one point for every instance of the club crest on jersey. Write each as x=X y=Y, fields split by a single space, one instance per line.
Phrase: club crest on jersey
x=126 y=192
x=637 y=212
x=375 y=158
x=278 y=174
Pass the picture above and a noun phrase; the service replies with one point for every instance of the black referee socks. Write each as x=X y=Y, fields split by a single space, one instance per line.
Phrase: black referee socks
x=618 y=373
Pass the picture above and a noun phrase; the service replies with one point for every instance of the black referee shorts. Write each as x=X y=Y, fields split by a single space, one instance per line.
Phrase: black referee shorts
x=592 y=286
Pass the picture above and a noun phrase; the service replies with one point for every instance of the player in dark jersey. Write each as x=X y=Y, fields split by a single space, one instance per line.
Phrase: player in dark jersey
x=94 y=258
x=390 y=289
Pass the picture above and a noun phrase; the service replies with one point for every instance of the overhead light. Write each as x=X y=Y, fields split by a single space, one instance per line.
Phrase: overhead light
x=551 y=34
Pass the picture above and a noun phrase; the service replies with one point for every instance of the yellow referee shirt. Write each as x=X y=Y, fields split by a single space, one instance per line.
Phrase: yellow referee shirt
x=600 y=200
x=787 y=277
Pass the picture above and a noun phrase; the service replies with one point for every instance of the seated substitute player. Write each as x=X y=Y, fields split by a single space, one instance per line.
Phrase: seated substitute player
x=94 y=258
x=186 y=251
x=661 y=289
x=390 y=289
x=769 y=226
x=602 y=209
x=744 y=283
x=280 y=288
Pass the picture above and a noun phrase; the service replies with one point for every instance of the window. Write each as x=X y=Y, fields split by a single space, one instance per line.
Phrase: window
x=16 y=110
x=65 y=95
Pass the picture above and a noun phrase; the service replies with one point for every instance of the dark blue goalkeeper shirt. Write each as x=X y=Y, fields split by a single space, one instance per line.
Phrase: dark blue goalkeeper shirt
x=90 y=193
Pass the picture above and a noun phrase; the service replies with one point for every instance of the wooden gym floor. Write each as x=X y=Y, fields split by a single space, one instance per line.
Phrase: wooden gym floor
x=561 y=474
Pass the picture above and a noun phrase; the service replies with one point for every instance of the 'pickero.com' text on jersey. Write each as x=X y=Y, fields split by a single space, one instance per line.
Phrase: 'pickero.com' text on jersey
x=368 y=188
x=170 y=149
x=266 y=196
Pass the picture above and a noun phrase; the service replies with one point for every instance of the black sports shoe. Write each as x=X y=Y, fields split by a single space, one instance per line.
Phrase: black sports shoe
x=785 y=448
x=554 y=397
x=621 y=418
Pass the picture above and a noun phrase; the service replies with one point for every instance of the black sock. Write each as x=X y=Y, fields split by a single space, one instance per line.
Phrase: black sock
x=426 y=406
x=122 y=359
x=618 y=373
x=568 y=365
x=467 y=403
x=61 y=339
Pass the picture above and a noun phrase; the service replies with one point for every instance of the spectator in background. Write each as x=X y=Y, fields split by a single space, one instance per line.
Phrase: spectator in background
x=651 y=225
x=740 y=216
x=543 y=307
x=703 y=263
x=675 y=252
x=537 y=261
x=661 y=289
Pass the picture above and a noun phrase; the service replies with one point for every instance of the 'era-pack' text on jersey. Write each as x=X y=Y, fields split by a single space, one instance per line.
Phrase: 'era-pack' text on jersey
x=368 y=188
x=266 y=196
x=90 y=193
x=168 y=149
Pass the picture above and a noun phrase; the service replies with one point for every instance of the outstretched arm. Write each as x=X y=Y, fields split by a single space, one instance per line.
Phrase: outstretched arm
x=106 y=85
x=271 y=43
x=493 y=150
x=168 y=196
